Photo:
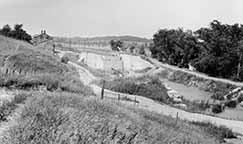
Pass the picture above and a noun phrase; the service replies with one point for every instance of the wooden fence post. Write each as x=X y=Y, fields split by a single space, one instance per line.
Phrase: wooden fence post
x=119 y=97
x=135 y=100
x=102 y=90
x=177 y=117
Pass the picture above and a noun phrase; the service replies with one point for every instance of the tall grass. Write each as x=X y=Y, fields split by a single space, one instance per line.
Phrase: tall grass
x=221 y=132
x=8 y=106
x=69 y=82
x=66 y=118
x=145 y=86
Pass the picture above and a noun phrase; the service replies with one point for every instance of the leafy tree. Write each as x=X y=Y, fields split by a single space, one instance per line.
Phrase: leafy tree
x=175 y=47
x=221 y=49
x=5 y=30
x=142 y=50
x=216 y=50
x=116 y=45
x=240 y=55
x=17 y=32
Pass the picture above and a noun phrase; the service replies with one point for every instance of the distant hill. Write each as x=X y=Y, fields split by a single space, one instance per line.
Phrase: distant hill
x=122 y=38
x=109 y=38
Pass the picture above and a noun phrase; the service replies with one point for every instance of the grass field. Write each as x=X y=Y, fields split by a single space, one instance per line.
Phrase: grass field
x=67 y=118
x=25 y=66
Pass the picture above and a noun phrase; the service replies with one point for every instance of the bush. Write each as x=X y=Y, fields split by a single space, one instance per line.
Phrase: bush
x=220 y=132
x=8 y=106
x=65 y=60
x=18 y=32
x=240 y=98
x=217 y=108
x=149 y=87
x=68 y=82
x=231 y=104
x=197 y=106
x=52 y=85
x=218 y=96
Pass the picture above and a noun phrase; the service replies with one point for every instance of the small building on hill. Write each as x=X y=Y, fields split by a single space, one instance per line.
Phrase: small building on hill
x=42 y=37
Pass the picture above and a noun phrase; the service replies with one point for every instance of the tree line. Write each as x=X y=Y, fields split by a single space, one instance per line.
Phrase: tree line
x=17 y=32
x=215 y=50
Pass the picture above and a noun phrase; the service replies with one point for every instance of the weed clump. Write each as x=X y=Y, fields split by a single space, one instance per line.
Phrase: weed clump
x=231 y=104
x=65 y=60
x=147 y=87
x=217 y=108
x=221 y=132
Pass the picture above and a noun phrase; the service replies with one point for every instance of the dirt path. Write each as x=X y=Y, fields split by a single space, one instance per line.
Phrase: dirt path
x=85 y=76
x=159 y=64
x=11 y=119
x=156 y=63
x=148 y=104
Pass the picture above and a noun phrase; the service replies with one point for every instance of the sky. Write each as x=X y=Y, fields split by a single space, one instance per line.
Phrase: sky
x=88 y=18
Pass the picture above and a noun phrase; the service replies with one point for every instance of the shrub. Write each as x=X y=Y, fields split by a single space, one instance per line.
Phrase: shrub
x=217 y=108
x=52 y=85
x=18 y=32
x=218 y=96
x=220 y=132
x=69 y=82
x=231 y=104
x=65 y=60
x=149 y=87
x=196 y=106
x=240 y=98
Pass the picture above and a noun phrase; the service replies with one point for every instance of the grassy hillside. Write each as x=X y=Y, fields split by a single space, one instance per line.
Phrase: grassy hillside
x=25 y=66
x=66 y=118
x=21 y=57
x=69 y=114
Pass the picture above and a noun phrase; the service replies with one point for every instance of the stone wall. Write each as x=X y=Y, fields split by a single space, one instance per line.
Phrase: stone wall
x=194 y=81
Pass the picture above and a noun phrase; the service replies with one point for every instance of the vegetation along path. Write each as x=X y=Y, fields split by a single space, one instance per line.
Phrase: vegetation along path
x=148 y=104
x=159 y=64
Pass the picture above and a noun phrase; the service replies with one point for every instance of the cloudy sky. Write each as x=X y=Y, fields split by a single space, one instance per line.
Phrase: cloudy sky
x=116 y=17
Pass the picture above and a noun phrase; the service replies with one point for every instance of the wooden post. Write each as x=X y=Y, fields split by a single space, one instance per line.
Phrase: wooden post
x=135 y=100
x=119 y=97
x=177 y=117
x=102 y=90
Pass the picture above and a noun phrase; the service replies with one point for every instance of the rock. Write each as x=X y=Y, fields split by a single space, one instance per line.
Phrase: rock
x=241 y=104
x=177 y=100
x=181 y=105
x=236 y=90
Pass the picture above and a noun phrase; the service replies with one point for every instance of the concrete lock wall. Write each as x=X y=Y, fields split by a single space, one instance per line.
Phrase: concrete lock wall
x=122 y=62
x=132 y=63
x=113 y=62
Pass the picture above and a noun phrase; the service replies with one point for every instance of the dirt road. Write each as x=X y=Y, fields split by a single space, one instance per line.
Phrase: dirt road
x=12 y=118
x=159 y=64
x=148 y=104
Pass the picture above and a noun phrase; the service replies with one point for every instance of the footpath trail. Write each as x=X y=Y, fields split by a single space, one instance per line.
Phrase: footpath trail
x=12 y=118
x=148 y=104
